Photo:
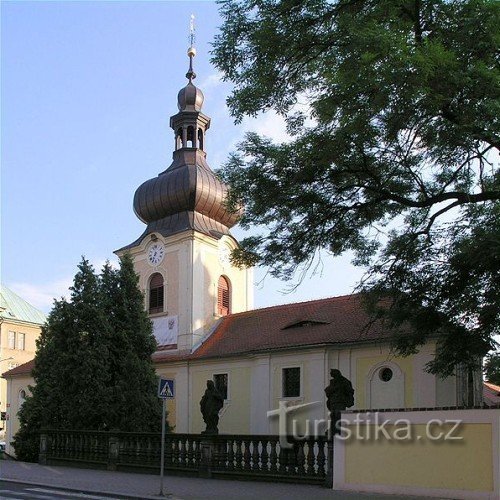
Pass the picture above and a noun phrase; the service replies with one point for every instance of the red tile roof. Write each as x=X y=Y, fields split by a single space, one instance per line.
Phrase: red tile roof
x=24 y=369
x=491 y=394
x=336 y=320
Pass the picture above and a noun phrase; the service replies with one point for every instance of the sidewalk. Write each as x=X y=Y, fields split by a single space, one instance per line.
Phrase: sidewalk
x=146 y=486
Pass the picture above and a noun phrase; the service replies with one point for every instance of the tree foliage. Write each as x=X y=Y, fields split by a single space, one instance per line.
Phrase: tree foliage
x=393 y=111
x=93 y=367
x=492 y=368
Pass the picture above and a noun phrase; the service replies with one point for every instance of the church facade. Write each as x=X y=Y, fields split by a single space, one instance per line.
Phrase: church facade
x=201 y=309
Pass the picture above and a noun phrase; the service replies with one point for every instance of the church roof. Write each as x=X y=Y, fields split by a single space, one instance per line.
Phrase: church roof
x=331 y=321
x=491 y=394
x=13 y=307
x=24 y=369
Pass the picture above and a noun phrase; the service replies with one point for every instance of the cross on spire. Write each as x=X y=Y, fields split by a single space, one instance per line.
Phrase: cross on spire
x=191 y=75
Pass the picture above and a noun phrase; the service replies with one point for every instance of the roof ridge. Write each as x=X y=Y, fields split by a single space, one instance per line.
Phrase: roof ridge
x=291 y=304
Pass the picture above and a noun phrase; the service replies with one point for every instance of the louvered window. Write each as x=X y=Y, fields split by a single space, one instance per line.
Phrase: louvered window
x=156 y=294
x=223 y=298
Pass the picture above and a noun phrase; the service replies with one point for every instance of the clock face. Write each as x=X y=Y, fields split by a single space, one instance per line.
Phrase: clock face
x=156 y=253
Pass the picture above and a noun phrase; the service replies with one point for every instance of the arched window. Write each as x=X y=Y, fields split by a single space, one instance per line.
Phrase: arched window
x=223 y=297
x=22 y=397
x=200 y=138
x=178 y=139
x=156 y=294
x=190 y=137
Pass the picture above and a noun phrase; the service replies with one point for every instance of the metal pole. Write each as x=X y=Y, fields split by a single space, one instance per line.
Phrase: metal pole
x=162 y=459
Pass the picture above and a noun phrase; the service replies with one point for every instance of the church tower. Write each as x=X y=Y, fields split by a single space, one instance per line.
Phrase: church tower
x=182 y=257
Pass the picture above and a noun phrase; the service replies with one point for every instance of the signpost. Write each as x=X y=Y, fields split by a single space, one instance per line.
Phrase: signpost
x=166 y=390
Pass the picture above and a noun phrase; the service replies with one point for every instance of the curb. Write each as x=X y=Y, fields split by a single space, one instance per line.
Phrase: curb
x=110 y=494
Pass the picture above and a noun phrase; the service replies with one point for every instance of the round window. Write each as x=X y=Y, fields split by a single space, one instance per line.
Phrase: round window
x=385 y=374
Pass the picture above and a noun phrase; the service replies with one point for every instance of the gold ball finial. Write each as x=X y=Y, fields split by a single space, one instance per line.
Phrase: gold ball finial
x=191 y=51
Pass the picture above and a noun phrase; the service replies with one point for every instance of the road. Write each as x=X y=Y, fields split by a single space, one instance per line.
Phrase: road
x=20 y=491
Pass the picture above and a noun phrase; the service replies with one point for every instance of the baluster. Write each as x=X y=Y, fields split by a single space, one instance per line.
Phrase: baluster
x=246 y=455
x=182 y=454
x=190 y=452
x=264 y=456
x=146 y=449
x=321 y=458
x=197 y=454
x=273 y=456
x=301 y=459
x=310 y=458
x=82 y=449
x=171 y=452
x=230 y=454
x=239 y=455
x=225 y=454
x=283 y=462
x=292 y=459
x=255 y=455
x=151 y=455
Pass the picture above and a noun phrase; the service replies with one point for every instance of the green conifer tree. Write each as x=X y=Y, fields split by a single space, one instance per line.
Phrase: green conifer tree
x=93 y=367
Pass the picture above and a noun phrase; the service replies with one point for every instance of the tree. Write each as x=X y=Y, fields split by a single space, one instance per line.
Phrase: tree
x=93 y=367
x=492 y=368
x=396 y=162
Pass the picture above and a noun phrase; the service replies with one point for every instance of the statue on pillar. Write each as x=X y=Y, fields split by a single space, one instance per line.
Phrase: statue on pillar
x=210 y=405
x=339 y=396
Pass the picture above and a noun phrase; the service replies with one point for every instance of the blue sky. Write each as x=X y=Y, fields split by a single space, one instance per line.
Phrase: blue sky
x=87 y=92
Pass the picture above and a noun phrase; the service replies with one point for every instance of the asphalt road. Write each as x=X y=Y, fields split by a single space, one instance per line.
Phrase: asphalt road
x=20 y=491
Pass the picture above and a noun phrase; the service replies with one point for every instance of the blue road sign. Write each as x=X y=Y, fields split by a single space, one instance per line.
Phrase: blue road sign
x=166 y=389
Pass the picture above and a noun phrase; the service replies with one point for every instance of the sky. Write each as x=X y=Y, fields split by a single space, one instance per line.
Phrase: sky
x=87 y=89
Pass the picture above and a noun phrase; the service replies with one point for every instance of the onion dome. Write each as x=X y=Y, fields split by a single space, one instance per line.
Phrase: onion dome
x=190 y=98
x=187 y=189
x=187 y=195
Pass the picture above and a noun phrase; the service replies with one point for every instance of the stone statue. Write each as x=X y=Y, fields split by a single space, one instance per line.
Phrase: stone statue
x=339 y=396
x=210 y=406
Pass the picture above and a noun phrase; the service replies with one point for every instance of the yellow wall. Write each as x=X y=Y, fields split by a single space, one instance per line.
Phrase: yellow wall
x=364 y=365
x=423 y=463
x=235 y=416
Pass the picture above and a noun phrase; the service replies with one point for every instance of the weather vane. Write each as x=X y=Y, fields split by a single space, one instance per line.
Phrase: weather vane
x=192 y=31
x=191 y=51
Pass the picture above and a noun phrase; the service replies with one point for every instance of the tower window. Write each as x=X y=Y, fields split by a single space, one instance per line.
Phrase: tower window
x=156 y=294
x=190 y=137
x=178 y=139
x=223 y=297
x=200 y=138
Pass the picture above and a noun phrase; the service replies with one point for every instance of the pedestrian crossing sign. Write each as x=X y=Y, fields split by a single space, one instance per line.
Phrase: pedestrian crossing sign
x=166 y=389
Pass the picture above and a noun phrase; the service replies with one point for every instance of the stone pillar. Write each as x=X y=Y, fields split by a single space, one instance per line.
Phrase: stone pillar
x=207 y=454
x=329 y=462
x=113 y=446
x=42 y=456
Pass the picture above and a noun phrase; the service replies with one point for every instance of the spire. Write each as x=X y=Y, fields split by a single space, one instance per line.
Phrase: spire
x=191 y=75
